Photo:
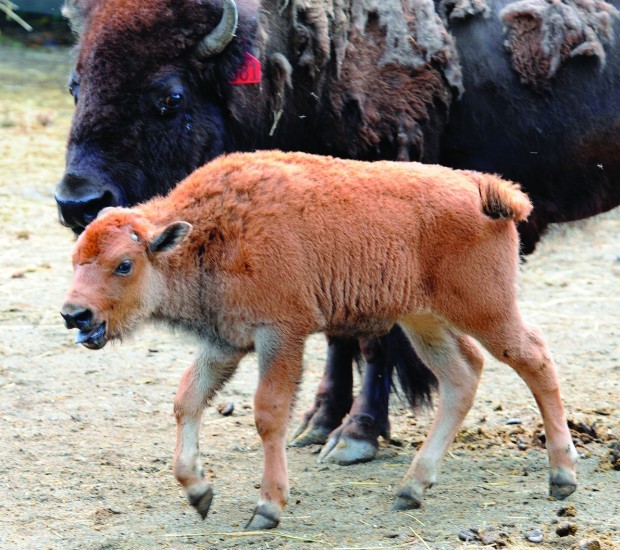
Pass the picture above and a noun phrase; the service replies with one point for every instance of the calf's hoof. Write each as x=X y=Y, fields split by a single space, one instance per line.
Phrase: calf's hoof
x=201 y=500
x=265 y=516
x=562 y=483
x=407 y=499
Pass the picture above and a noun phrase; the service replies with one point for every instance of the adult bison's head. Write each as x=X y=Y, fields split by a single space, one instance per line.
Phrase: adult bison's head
x=150 y=88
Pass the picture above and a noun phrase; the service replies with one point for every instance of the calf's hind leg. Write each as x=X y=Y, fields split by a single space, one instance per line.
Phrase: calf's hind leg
x=201 y=380
x=457 y=363
x=524 y=349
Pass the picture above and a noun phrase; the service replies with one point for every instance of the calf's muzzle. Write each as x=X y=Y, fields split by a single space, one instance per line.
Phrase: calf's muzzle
x=76 y=316
x=91 y=334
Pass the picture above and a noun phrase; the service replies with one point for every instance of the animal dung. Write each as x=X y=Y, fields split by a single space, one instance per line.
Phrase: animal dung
x=565 y=529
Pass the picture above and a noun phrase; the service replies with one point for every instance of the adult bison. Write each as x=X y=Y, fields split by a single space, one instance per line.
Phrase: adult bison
x=528 y=89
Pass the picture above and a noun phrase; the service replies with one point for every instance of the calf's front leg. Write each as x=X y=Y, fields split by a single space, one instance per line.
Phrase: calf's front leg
x=214 y=366
x=280 y=373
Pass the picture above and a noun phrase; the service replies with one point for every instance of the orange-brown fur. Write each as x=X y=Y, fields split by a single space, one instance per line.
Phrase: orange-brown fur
x=304 y=222
x=280 y=248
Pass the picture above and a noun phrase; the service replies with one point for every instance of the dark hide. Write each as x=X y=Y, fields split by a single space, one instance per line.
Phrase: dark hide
x=563 y=146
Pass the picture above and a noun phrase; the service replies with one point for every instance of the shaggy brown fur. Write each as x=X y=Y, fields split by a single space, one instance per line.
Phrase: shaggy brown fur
x=542 y=34
x=279 y=249
x=403 y=46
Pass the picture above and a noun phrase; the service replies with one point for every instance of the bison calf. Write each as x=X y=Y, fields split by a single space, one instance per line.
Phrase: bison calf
x=254 y=252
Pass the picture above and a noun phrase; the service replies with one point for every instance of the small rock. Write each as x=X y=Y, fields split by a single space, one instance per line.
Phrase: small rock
x=226 y=409
x=493 y=539
x=566 y=528
x=513 y=421
x=534 y=536
x=467 y=535
x=568 y=511
x=614 y=455
x=590 y=545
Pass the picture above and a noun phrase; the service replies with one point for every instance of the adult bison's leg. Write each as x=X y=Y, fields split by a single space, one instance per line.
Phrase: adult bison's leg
x=197 y=387
x=280 y=373
x=356 y=440
x=334 y=396
x=457 y=363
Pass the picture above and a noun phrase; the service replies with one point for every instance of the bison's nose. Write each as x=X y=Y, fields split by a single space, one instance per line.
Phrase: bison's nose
x=76 y=316
x=80 y=200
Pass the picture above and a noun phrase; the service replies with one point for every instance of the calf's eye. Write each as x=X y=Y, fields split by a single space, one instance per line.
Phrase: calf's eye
x=124 y=268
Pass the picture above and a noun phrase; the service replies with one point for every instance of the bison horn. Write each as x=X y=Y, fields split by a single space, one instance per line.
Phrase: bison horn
x=220 y=36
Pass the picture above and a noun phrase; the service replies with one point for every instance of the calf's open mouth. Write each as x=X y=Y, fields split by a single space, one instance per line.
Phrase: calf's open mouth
x=94 y=338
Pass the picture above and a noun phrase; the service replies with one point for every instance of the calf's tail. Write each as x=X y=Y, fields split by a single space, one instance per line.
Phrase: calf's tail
x=502 y=199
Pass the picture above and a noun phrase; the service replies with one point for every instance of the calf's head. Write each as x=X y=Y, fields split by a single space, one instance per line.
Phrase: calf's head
x=116 y=283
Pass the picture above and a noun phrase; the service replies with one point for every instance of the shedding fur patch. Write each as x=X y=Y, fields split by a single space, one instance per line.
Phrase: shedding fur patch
x=542 y=34
x=384 y=72
x=414 y=34
x=463 y=9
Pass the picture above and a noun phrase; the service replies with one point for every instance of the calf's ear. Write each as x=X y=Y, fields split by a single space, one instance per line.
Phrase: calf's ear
x=169 y=237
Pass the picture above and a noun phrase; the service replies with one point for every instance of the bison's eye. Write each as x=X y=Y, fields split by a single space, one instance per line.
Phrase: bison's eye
x=74 y=89
x=124 y=268
x=171 y=104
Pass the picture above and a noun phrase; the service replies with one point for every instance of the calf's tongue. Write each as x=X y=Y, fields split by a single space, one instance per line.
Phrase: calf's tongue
x=92 y=339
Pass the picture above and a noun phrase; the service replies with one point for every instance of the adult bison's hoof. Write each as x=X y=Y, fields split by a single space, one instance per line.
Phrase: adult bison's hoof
x=201 y=500
x=265 y=516
x=562 y=483
x=314 y=436
x=345 y=451
x=357 y=440
x=406 y=499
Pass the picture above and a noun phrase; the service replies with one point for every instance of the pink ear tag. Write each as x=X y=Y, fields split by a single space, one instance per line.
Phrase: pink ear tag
x=249 y=73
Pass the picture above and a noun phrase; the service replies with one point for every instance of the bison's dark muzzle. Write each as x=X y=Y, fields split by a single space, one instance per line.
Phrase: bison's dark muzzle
x=80 y=200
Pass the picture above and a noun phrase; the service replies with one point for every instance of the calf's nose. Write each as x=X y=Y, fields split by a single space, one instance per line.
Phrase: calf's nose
x=76 y=316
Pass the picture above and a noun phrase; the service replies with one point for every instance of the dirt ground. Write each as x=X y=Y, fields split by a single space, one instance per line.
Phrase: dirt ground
x=87 y=437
